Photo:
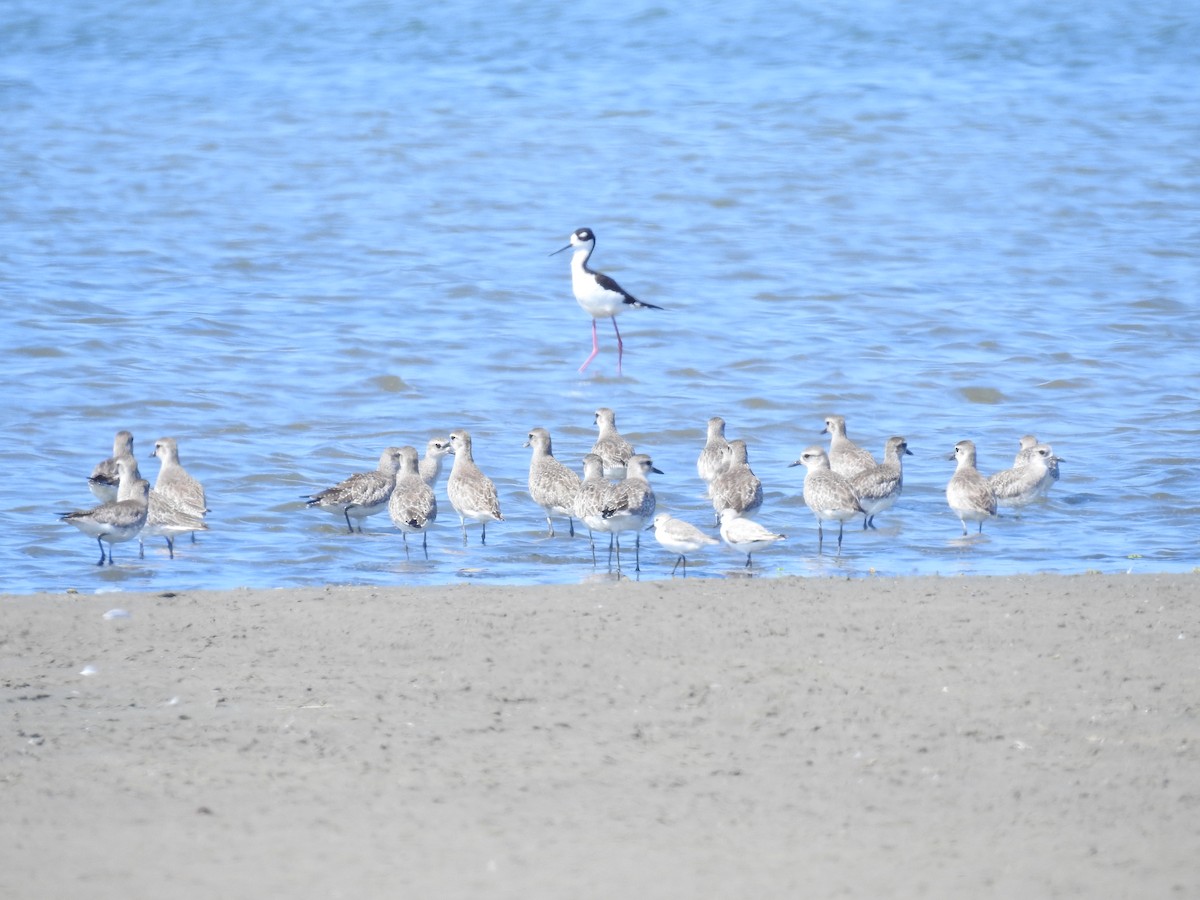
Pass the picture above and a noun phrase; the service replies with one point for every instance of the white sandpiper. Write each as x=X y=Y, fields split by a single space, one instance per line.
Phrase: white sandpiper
x=599 y=295
x=680 y=537
x=746 y=535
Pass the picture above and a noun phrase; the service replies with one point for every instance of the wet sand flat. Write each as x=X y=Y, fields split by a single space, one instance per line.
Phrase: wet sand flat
x=914 y=737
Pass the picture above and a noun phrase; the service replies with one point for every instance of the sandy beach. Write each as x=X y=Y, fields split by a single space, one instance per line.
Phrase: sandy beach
x=928 y=737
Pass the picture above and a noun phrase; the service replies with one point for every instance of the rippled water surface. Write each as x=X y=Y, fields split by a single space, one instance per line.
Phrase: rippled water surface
x=291 y=235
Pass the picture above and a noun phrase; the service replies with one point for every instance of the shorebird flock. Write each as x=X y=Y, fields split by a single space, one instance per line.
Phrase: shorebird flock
x=129 y=508
x=613 y=496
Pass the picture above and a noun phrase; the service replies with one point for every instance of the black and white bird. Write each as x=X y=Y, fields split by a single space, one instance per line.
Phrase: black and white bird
x=600 y=296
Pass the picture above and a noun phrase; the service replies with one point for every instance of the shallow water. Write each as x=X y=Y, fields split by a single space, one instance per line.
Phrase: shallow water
x=290 y=237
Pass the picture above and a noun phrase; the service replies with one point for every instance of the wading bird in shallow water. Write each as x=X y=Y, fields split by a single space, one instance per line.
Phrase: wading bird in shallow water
x=968 y=492
x=115 y=522
x=680 y=537
x=472 y=494
x=827 y=493
x=599 y=295
x=361 y=495
x=744 y=534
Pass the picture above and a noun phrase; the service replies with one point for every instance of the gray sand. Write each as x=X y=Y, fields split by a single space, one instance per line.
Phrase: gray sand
x=927 y=737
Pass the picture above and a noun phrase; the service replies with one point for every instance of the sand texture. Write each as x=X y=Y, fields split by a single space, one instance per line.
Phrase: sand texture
x=927 y=737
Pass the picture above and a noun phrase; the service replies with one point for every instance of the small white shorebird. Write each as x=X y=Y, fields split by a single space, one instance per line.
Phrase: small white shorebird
x=626 y=505
x=879 y=488
x=116 y=521
x=845 y=457
x=472 y=494
x=551 y=484
x=1028 y=480
x=680 y=537
x=744 y=534
x=599 y=295
x=968 y=492
x=105 y=480
x=361 y=495
x=827 y=493
x=412 y=506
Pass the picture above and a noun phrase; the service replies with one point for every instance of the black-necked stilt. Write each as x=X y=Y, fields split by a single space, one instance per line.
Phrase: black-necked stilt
x=599 y=295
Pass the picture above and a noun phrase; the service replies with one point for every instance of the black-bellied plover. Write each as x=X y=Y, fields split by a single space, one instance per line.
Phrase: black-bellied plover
x=430 y=468
x=827 y=493
x=164 y=518
x=361 y=495
x=105 y=481
x=588 y=504
x=846 y=458
x=878 y=489
x=968 y=492
x=680 y=537
x=746 y=535
x=599 y=295
x=551 y=484
x=613 y=450
x=1027 y=481
x=471 y=493
x=174 y=482
x=1028 y=442
x=712 y=460
x=737 y=488
x=629 y=504
x=412 y=506
x=114 y=522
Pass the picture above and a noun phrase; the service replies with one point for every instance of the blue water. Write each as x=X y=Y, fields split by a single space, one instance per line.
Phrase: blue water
x=291 y=235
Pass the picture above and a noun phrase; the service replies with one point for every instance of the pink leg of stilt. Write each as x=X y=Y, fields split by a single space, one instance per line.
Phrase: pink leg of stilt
x=620 y=344
x=595 y=347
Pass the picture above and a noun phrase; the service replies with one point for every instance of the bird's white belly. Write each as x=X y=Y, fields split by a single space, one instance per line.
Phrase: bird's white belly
x=597 y=302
